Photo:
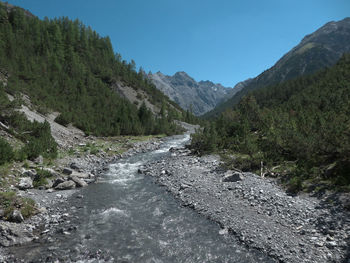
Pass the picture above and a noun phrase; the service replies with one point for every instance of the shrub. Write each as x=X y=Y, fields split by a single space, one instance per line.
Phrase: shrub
x=40 y=178
x=6 y=152
x=40 y=142
x=63 y=119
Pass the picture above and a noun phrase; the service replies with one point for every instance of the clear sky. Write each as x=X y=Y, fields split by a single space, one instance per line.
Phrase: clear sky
x=225 y=41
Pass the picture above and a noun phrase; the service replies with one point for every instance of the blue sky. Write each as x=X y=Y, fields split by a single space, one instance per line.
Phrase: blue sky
x=225 y=41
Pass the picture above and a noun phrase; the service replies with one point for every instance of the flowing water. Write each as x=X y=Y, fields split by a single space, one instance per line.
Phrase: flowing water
x=130 y=218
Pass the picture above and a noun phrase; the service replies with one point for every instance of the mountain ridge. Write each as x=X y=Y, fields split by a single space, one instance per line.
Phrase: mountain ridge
x=318 y=50
x=197 y=96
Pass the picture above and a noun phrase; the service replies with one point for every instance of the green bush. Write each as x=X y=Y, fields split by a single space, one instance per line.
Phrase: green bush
x=40 y=142
x=40 y=178
x=6 y=152
x=295 y=185
x=63 y=119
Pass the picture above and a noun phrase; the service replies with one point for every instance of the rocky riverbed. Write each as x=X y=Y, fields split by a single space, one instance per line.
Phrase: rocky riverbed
x=257 y=211
x=53 y=211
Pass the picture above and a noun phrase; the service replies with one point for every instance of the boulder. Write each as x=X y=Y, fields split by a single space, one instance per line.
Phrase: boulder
x=79 y=182
x=80 y=175
x=29 y=173
x=39 y=160
x=14 y=234
x=231 y=176
x=16 y=216
x=74 y=166
x=67 y=171
x=48 y=184
x=58 y=181
x=89 y=181
x=65 y=185
x=25 y=183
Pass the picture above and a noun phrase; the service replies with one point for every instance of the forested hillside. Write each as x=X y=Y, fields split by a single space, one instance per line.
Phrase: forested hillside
x=65 y=66
x=298 y=130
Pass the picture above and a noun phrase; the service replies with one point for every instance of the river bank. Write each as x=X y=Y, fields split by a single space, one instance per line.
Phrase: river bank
x=257 y=211
x=53 y=211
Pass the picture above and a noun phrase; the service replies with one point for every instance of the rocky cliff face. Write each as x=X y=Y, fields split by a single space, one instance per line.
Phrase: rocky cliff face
x=321 y=49
x=201 y=96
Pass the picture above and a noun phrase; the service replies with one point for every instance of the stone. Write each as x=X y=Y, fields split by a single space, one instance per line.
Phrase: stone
x=14 y=234
x=2 y=213
x=67 y=171
x=231 y=176
x=48 y=184
x=331 y=244
x=74 y=166
x=80 y=175
x=57 y=182
x=29 y=173
x=39 y=160
x=89 y=181
x=16 y=216
x=25 y=183
x=79 y=182
x=65 y=185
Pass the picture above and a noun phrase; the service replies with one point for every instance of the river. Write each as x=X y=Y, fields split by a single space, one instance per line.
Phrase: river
x=126 y=217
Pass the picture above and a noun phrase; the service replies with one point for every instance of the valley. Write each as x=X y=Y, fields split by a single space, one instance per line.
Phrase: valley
x=102 y=162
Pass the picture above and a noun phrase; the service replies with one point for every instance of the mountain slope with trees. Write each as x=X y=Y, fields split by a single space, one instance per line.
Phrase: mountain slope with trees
x=299 y=130
x=316 y=51
x=65 y=66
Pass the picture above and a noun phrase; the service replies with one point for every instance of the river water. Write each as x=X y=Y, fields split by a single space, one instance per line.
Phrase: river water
x=126 y=217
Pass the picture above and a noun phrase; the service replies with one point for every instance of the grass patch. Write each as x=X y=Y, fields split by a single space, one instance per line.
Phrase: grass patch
x=243 y=162
x=41 y=178
x=9 y=201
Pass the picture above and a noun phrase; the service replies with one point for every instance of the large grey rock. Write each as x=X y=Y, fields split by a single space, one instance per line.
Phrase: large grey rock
x=67 y=171
x=25 y=183
x=75 y=166
x=2 y=213
x=80 y=175
x=16 y=216
x=29 y=173
x=231 y=176
x=14 y=234
x=89 y=181
x=39 y=160
x=65 y=185
x=58 y=181
x=79 y=182
x=48 y=184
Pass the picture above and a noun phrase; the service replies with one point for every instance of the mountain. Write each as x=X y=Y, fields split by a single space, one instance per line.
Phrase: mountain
x=201 y=96
x=316 y=51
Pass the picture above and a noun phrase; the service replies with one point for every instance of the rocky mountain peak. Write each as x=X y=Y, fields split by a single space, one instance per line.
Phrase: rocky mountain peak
x=200 y=96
